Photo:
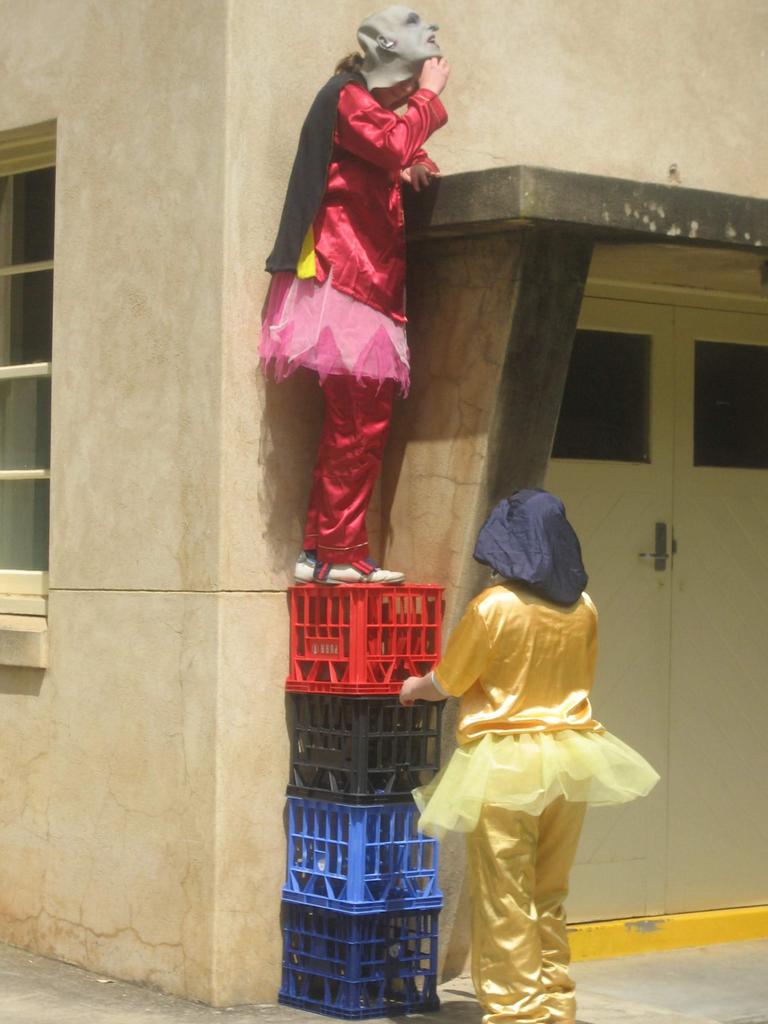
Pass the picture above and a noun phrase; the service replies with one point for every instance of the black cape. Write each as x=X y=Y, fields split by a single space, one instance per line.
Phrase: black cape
x=309 y=175
x=527 y=538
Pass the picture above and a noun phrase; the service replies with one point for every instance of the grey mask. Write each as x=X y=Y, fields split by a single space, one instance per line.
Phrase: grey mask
x=395 y=43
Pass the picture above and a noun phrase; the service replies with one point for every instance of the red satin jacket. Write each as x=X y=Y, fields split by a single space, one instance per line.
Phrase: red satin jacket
x=359 y=228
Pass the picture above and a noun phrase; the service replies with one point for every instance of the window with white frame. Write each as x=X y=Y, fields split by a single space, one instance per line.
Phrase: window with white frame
x=26 y=304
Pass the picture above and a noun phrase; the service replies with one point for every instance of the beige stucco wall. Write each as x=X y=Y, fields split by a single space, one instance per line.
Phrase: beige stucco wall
x=109 y=812
x=106 y=825
x=610 y=87
x=141 y=809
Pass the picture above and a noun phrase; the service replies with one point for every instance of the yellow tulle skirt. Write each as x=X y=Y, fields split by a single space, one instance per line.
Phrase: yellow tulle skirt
x=526 y=771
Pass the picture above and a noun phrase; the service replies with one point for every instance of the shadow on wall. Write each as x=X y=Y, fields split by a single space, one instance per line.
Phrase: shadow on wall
x=22 y=682
x=433 y=492
x=290 y=429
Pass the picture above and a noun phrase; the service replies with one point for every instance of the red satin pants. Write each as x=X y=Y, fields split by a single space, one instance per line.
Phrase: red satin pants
x=355 y=427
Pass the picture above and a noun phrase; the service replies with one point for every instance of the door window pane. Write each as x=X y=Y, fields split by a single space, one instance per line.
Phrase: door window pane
x=731 y=405
x=25 y=423
x=605 y=409
x=24 y=524
x=26 y=217
x=26 y=316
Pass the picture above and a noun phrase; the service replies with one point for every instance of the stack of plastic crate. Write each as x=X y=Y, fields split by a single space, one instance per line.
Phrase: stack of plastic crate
x=361 y=898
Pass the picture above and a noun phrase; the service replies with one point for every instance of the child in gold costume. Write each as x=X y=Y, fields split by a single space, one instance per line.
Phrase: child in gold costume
x=530 y=758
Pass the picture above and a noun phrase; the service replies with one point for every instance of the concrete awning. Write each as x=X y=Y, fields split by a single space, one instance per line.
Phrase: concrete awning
x=608 y=208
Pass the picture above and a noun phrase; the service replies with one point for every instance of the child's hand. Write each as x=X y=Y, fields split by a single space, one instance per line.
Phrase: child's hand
x=419 y=176
x=419 y=688
x=434 y=74
x=408 y=693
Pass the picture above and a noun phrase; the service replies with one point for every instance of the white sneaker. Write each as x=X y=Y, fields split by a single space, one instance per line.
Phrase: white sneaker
x=344 y=573
x=309 y=570
x=304 y=568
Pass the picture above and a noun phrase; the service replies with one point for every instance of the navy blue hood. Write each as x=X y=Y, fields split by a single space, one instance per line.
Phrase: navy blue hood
x=527 y=538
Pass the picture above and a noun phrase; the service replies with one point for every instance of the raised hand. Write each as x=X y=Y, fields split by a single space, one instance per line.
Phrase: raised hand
x=434 y=74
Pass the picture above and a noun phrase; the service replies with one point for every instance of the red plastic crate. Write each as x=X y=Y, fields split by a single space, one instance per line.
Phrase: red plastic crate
x=362 y=639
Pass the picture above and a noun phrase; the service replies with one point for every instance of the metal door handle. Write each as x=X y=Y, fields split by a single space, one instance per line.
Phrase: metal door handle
x=660 y=555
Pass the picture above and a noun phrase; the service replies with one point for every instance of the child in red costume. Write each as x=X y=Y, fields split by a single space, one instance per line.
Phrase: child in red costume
x=336 y=301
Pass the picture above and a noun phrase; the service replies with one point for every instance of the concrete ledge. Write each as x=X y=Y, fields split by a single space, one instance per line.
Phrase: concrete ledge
x=24 y=641
x=505 y=197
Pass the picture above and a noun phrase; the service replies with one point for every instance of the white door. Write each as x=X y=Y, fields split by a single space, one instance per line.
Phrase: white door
x=628 y=481
x=718 y=767
x=614 y=504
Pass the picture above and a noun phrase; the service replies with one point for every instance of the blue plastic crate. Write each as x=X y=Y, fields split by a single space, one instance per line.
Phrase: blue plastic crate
x=358 y=966
x=359 y=858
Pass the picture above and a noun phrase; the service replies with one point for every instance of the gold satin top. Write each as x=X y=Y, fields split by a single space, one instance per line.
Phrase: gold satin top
x=521 y=664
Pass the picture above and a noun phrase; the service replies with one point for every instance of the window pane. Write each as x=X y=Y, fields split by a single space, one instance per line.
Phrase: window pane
x=26 y=316
x=731 y=405
x=24 y=524
x=26 y=217
x=25 y=424
x=605 y=409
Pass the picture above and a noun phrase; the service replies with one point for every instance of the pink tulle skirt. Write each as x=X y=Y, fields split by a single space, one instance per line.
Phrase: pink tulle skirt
x=315 y=326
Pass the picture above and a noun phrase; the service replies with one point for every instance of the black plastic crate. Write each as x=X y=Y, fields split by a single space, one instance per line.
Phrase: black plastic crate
x=362 y=749
x=355 y=967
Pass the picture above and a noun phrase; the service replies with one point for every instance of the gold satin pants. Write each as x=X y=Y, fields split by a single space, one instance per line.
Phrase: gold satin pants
x=519 y=866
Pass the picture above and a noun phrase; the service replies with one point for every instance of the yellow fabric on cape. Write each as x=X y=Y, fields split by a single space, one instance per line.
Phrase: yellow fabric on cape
x=307 y=265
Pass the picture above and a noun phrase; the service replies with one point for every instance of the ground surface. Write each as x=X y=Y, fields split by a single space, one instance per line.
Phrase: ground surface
x=725 y=984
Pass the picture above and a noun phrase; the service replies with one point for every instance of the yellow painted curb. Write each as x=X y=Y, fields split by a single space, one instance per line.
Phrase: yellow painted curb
x=604 y=939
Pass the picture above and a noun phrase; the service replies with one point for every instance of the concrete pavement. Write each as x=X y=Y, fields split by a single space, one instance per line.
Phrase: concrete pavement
x=725 y=984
